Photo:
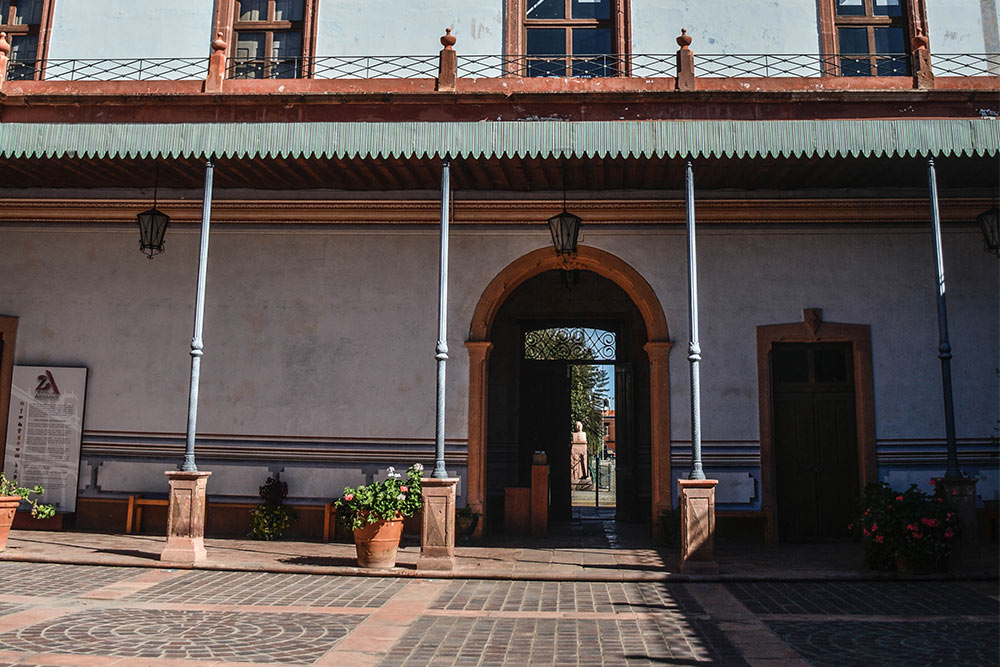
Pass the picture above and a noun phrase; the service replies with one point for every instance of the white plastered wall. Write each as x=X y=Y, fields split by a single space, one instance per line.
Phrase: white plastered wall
x=332 y=334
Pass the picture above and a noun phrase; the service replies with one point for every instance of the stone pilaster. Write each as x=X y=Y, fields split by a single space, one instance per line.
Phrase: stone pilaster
x=965 y=552
x=437 y=534
x=697 y=503
x=186 y=518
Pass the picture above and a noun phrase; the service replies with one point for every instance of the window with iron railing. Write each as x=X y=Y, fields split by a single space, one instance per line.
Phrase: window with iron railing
x=871 y=38
x=22 y=20
x=271 y=39
x=574 y=38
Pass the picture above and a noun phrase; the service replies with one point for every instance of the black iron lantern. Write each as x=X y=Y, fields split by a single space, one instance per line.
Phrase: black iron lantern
x=989 y=225
x=152 y=226
x=565 y=229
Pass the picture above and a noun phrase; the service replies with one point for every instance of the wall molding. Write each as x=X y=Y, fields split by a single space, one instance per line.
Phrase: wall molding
x=851 y=211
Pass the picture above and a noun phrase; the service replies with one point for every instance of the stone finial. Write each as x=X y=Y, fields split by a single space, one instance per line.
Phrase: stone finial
x=4 y=44
x=684 y=41
x=919 y=42
x=448 y=40
x=219 y=44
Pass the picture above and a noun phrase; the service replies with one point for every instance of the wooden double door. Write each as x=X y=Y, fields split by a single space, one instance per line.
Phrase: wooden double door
x=815 y=440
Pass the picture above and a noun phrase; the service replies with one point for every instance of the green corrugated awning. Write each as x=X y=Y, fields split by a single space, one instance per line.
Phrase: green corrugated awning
x=739 y=139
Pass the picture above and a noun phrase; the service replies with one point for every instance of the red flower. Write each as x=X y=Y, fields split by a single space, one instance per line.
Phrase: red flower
x=949 y=534
x=899 y=497
x=933 y=481
x=912 y=526
x=932 y=523
x=874 y=527
x=916 y=535
x=403 y=489
x=940 y=500
x=348 y=497
x=879 y=539
x=866 y=532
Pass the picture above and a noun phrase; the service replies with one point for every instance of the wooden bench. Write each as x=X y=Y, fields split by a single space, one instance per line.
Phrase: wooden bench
x=133 y=518
x=764 y=513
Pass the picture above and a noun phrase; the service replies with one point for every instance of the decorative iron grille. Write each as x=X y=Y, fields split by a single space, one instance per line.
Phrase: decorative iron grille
x=335 y=67
x=966 y=64
x=128 y=69
x=570 y=344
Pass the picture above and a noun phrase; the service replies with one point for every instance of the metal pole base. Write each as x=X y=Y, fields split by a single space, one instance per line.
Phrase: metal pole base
x=437 y=534
x=186 y=518
x=698 y=525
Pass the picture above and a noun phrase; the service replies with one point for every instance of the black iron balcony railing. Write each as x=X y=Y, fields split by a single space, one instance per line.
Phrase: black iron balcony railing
x=335 y=67
x=496 y=66
x=128 y=69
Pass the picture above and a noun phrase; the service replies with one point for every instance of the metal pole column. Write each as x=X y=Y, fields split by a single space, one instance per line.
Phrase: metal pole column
x=694 y=348
x=944 y=346
x=197 y=345
x=441 y=351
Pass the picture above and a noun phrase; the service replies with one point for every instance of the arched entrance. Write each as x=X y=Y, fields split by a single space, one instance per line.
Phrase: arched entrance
x=655 y=353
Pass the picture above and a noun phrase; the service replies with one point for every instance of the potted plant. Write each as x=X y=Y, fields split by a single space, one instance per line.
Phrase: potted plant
x=909 y=531
x=270 y=520
x=11 y=495
x=466 y=521
x=375 y=513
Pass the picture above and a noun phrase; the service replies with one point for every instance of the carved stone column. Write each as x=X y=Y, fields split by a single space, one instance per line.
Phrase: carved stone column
x=437 y=534
x=186 y=518
x=698 y=525
x=475 y=498
x=659 y=414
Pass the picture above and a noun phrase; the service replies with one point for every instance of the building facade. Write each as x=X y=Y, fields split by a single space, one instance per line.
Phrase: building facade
x=808 y=124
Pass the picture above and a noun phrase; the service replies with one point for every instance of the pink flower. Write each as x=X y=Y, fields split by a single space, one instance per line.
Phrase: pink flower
x=874 y=527
x=348 y=497
x=954 y=493
x=879 y=539
x=912 y=526
x=403 y=489
x=950 y=516
x=899 y=497
x=940 y=500
x=916 y=535
x=949 y=534
x=933 y=481
x=931 y=523
x=866 y=532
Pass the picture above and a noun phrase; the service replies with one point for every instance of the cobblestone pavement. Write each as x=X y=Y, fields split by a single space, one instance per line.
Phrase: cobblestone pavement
x=81 y=615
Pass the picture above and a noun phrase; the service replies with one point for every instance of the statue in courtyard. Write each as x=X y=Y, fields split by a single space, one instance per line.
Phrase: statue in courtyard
x=578 y=455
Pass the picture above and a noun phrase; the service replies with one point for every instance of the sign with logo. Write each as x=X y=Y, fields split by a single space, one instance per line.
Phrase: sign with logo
x=44 y=429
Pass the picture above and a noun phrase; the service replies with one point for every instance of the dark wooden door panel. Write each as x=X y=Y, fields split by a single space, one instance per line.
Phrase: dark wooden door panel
x=545 y=426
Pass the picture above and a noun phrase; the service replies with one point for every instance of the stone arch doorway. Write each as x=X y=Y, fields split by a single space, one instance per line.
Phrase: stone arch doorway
x=652 y=358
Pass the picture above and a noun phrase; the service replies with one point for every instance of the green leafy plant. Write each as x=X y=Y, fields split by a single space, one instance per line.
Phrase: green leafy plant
x=398 y=495
x=911 y=525
x=11 y=487
x=270 y=520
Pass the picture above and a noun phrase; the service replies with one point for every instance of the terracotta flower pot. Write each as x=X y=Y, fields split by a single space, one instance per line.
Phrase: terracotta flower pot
x=377 y=543
x=8 y=507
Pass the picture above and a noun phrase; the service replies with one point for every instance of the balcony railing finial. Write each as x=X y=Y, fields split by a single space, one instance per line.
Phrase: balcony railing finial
x=216 y=65
x=447 y=63
x=685 y=62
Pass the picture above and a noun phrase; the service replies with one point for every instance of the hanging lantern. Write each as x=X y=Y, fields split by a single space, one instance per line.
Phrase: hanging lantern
x=565 y=229
x=152 y=225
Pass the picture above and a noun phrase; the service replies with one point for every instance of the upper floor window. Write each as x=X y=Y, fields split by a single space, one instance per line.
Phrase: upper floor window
x=26 y=23
x=581 y=38
x=869 y=37
x=271 y=39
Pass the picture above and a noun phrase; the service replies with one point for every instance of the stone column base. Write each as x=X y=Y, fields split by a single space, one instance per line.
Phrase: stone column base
x=697 y=503
x=437 y=534
x=186 y=518
x=965 y=552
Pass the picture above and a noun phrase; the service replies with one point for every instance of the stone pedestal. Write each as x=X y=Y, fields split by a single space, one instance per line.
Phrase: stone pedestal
x=965 y=552
x=697 y=503
x=186 y=518
x=437 y=534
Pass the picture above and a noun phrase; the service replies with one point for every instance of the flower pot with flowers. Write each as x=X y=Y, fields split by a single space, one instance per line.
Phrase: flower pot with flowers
x=909 y=531
x=11 y=495
x=375 y=513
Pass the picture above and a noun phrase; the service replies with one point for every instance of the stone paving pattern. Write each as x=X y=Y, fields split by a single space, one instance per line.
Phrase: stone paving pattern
x=273 y=589
x=80 y=615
